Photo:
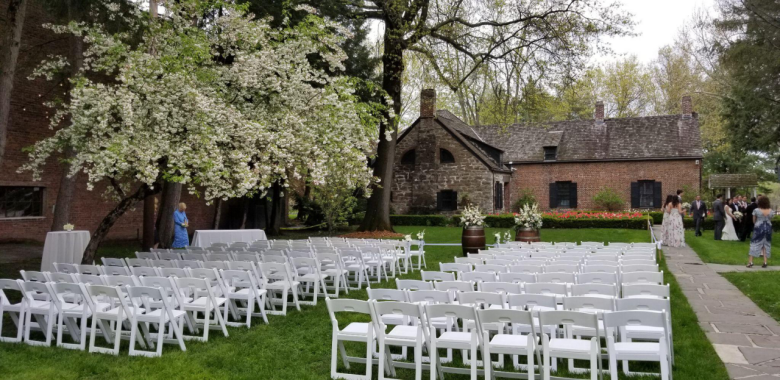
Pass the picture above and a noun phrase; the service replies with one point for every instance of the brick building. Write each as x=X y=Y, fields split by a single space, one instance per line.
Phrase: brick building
x=442 y=163
x=27 y=206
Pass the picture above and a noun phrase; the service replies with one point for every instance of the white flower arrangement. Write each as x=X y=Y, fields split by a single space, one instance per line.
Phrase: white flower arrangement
x=686 y=206
x=421 y=235
x=529 y=217
x=507 y=236
x=68 y=227
x=408 y=237
x=738 y=215
x=472 y=216
x=498 y=237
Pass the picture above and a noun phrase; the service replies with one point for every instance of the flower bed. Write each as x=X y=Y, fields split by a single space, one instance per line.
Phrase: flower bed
x=594 y=215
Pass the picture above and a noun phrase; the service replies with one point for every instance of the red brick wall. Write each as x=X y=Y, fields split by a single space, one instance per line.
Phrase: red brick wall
x=592 y=177
x=29 y=123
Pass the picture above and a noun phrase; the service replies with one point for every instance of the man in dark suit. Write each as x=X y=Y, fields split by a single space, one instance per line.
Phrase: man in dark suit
x=747 y=224
x=698 y=212
x=718 y=214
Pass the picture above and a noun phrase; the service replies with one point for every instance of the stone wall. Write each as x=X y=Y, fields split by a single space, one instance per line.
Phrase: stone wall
x=415 y=186
x=29 y=123
x=594 y=176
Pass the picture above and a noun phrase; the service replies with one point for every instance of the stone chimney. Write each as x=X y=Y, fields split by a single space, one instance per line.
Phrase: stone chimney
x=428 y=103
x=599 y=115
x=686 y=107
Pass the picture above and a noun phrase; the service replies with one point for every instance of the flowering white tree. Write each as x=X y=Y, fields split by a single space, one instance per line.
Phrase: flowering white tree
x=212 y=98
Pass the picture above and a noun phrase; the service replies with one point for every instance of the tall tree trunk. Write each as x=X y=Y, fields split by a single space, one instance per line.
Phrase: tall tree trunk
x=245 y=202
x=67 y=182
x=217 y=213
x=109 y=220
x=275 y=227
x=378 y=210
x=12 y=36
x=148 y=220
x=169 y=200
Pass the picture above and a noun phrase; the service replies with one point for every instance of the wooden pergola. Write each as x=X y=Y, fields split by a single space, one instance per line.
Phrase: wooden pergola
x=729 y=181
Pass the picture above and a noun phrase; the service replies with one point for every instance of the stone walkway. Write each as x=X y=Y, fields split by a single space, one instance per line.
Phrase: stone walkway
x=721 y=268
x=745 y=337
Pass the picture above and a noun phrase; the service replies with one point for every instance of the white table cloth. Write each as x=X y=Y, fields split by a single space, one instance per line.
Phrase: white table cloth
x=63 y=247
x=205 y=238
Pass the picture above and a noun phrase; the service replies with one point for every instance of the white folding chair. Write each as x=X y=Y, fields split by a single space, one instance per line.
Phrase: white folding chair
x=413 y=284
x=43 y=311
x=597 y=278
x=655 y=278
x=73 y=303
x=218 y=265
x=147 y=255
x=333 y=266
x=192 y=256
x=112 y=262
x=599 y=268
x=189 y=264
x=242 y=286
x=150 y=306
x=501 y=287
x=594 y=290
x=419 y=253
x=561 y=268
x=169 y=255
x=468 y=260
x=163 y=263
x=639 y=268
x=131 y=262
x=637 y=351
x=401 y=335
x=202 y=301
x=519 y=278
x=112 y=270
x=117 y=313
x=491 y=268
x=556 y=277
x=437 y=276
x=568 y=347
x=16 y=311
x=525 y=268
x=62 y=277
x=89 y=269
x=454 y=287
x=646 y=333
x=173 y=272
x=477 y=277
x=353 y=332
x=352 y=262
x=307 y=272
x=557 y=289
x=144 y=271
x=456 y=340
x=455 y=267
x=66 y=268
x=507 y=344
x=645 y=291
x=279 y=279
x=214 y=256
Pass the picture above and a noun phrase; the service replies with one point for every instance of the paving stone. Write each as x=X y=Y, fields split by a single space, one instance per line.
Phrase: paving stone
x=706 y=327
x=774 y=327
x=733 y=339
x=727 y=310
x=740 y=370
x=766 y=341
x=742 y=328
x=735 y=318
x=759 y=355
x=707 y=303
x=730 y=354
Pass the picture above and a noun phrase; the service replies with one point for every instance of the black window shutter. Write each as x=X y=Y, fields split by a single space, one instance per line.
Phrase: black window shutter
x=439 y=200
x=573 y=195
x=657 y=194
x=553 y=195
x=634 y=194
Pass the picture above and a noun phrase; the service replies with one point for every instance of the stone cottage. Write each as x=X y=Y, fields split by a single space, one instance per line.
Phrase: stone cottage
x=442 y=163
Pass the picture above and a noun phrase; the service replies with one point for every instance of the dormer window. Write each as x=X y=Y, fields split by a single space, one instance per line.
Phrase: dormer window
x=409 y=158
x=446 y=157
x=550 y=153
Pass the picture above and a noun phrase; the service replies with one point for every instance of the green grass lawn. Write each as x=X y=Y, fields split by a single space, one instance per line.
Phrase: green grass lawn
x=761 y=287
x=721 y=252
x=298 y=346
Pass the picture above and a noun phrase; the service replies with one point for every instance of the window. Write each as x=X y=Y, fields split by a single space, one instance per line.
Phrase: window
x=646 y=194
x=408 y=158
x=18 y=201
x=550 y=153
x=447 y=200
x=498 y=196
x=563 y=194
x=445 y=157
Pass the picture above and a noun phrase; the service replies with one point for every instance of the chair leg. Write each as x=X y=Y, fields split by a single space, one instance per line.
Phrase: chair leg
x=343 y=353
x=434 y=358
x=382 y=349
x=530 y=358
x=295 y=298
x=117 y=337
x=594 y=365
x=613 y=372
x=333 y=356
x=486 y=357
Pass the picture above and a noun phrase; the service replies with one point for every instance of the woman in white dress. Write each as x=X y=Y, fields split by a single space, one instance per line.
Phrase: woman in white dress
x=729 y=232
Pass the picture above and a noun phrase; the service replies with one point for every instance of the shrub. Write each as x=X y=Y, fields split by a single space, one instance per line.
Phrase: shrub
x=526 y=198
x=608 y=199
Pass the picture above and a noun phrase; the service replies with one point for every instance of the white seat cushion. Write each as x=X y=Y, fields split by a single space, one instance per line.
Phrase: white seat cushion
x=403 y=332
x=455 y=336
x=642 y=348
x=571 y=345
x=509 y=341
x=356 y=328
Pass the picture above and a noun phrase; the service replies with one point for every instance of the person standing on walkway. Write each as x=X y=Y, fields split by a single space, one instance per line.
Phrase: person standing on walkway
x=675 y=233
x=761 y=243
x=699 y=212
x=180 y=237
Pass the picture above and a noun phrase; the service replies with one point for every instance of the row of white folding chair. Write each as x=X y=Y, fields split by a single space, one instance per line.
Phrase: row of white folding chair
x=473 y=334
x=119 y=304
x=627 y=290
x=450 y=273
x=465 y=266
x=609 y=256
x=275 y=277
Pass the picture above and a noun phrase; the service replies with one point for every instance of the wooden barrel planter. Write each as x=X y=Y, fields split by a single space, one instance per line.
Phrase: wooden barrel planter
x=527 y=235
x=473 y=239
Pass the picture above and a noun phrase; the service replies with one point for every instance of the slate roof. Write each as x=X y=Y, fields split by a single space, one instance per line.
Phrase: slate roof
x=636 y=138
x=718 y=181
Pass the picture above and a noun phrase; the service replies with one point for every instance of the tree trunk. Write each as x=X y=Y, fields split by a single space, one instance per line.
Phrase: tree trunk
x=8 y=55
x=109 y=220
x=217 y=213
x=67 y=182
x=378 y=210
x=148 y=222
x=275 y=226
x=171 y=194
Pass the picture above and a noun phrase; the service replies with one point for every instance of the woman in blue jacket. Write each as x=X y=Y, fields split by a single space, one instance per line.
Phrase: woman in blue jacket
x=180 y=221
